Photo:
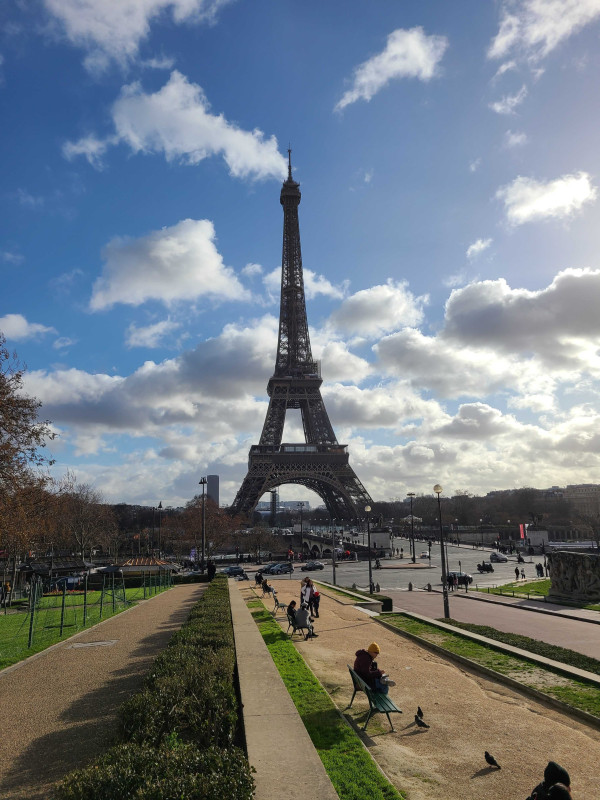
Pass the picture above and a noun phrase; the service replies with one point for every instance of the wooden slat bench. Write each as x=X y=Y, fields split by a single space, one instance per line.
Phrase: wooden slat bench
x=379 y=703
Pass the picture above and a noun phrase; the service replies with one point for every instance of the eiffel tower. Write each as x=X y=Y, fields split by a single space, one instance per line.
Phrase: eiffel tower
x=320 y=463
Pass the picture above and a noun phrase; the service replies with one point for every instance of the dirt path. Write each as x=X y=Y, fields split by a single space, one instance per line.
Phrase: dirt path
x=58 y=709
x=467 y=713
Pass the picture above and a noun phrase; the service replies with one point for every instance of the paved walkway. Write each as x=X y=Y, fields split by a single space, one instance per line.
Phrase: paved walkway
x=468 y=714
x=512 y=616
x=59 y=707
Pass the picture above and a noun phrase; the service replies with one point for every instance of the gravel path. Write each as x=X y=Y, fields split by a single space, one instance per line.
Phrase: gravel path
x=58 y=708
x=467 y=713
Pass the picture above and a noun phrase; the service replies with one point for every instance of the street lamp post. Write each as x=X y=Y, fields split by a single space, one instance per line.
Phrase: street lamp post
x=333 y=549
x=438 y=490
x=159 y=509
x=368 y=513
x=412 y=528
x=202 y=482
x=300 y=507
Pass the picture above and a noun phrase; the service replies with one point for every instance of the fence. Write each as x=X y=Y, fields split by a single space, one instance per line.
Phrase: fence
x=44 y=619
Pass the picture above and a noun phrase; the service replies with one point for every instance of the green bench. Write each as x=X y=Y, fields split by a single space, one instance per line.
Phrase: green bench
x=379 y=703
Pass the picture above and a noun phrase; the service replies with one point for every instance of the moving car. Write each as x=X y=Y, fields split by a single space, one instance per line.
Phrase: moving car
x=498 y=558
x=424 y=554
x=311 y=565
x=268 y=569
x=464 y=579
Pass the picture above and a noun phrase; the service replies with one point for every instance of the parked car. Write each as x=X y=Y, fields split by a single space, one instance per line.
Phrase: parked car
x=233 y=571
x=282 y=568
x=70 y=581
x=498 y=558
x=266 y=570
x=311 y=565
x=464 y=579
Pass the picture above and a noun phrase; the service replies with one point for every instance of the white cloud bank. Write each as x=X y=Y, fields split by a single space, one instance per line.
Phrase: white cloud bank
x=512 y=376
x=180 y=263
x=407 y=54
x=534 y=28
x=527 y=200
x=176 y=122
x=111 y=30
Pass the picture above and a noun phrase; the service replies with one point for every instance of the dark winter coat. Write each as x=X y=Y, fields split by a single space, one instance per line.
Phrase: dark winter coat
x=363 y=666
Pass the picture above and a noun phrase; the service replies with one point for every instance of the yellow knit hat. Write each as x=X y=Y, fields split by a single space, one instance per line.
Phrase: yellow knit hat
x=373 y=648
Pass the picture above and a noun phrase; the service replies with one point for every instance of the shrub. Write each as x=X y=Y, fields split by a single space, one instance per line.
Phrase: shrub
x=168 y=773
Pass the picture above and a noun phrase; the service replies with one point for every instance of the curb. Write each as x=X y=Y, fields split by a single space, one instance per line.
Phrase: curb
x=584 y=716
x=473 y=596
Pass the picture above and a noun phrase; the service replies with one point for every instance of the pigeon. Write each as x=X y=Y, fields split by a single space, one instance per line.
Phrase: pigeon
x=419 y=712
x=491 y=760
x=420 y=722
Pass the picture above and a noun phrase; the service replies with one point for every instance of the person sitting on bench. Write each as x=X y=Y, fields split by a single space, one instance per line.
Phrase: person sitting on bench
x=291 y=610
x=366 y=667
x=302 y=619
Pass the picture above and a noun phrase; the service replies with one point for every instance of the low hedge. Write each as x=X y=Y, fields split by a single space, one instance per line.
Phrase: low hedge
x=167 y=773
x=176 y=736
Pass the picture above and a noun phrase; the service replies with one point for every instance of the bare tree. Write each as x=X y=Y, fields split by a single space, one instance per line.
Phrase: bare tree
x=82 y=518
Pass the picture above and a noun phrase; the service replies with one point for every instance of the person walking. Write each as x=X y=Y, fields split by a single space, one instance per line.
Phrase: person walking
x=366 y=668
x=314 y=602
x=516 y=573
x=306 y=591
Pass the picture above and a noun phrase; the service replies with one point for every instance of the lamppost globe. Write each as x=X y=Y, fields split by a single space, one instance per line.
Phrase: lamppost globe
x=437 y=489
x=367 y=509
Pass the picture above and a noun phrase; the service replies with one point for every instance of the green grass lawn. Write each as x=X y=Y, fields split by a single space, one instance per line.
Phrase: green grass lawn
x=578 y=694
x=531 y=589
x=14 y=627
x=351 y=769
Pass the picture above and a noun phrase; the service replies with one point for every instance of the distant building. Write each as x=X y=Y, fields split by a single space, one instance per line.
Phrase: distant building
x=212 y=488
x=584 y=498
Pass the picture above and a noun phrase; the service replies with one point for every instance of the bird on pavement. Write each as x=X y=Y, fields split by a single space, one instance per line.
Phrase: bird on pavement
x=491 y=760
x=419 y=712
x=420 y=722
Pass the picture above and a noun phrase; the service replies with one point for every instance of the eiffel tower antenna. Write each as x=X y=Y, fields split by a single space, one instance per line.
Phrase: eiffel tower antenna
x=320 y=463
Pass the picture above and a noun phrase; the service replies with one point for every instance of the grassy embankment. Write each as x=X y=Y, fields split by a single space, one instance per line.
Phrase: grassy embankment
x=577 y=693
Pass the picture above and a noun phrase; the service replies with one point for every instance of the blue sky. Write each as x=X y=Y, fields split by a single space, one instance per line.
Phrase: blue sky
x=448 y=161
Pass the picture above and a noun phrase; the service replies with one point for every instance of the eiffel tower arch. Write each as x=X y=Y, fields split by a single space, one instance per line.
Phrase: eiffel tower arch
x=320 y=463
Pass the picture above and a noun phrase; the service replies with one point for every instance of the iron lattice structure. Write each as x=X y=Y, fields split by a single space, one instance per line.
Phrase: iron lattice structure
x=320 y=463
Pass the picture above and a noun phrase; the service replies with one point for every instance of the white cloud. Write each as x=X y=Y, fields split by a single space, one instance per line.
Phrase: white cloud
x=533 y=28
x=372 y=312
x=251 y=270
x=313 y=285
x=407 y=54
x=150 y=335
x=92 y=148
x=515 y=139
x=28 y=200
x=503 y=68
x=113 y=29
x=509 y=102
x=180 y=263
x=477 y=248
x=527 y=200
x=557 y=325
x=176 y=122
x=11 y=258
x=15 y=326
x=63 y=343
x=474 y=165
